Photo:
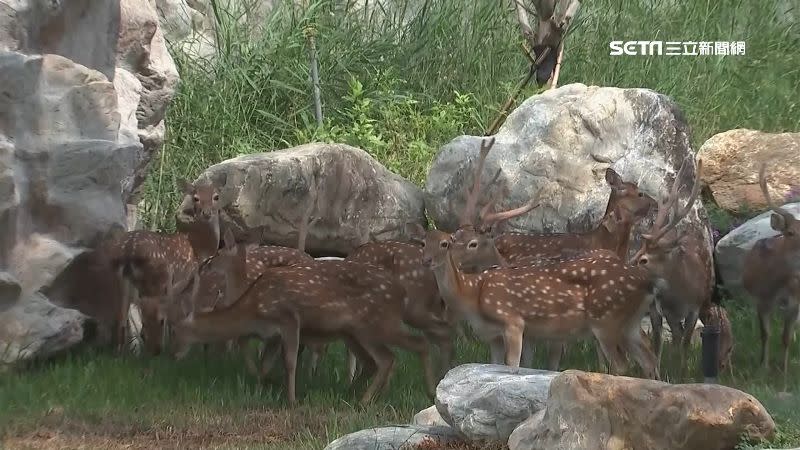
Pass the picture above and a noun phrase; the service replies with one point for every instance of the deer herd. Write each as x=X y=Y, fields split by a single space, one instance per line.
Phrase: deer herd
x=200 y=286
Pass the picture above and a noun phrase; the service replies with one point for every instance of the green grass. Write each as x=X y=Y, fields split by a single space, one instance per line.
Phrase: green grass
x=106 y=401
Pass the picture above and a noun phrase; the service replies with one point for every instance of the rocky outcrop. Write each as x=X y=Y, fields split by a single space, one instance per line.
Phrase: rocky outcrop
x=354 y=198
x=557 y=146
x=596 y=411
x=732 y=160
x=83 y=91
x=732 y=248
x=487 y=402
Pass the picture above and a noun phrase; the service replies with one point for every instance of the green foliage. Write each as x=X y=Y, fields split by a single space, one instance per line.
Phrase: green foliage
x=395 y=127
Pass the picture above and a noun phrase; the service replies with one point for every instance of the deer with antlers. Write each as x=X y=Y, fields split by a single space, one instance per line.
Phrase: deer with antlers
x=627 y=205
x=771 y=275
x=669 y=258
x=594 y=295
x=152 y=262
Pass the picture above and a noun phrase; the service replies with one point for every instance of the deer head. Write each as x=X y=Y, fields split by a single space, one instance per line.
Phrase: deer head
x=203 y=199
x=659 y=244
x=153 y=324
x=626 y=199
x=436 y=245
x=781 y=220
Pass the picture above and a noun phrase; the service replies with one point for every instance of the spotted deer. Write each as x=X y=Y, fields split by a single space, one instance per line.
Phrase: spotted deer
x=425 y=310
x=674 y=260
x=594 y=295
x=151 y=262
x=316 y=303
x=627 y=206
x=771 y=275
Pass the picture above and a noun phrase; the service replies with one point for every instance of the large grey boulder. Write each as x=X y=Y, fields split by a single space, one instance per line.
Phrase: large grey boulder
x=732 y=160
x=486 y=402
x=119 y=39
x=355 y=199
x=732 y=248
x=83 y=91
x=401 y=437
x=557 y=145
x=592 y=411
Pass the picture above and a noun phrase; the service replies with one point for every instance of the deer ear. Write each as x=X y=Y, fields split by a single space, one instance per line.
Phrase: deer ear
x=613 y=179
x=415 y=231
x=778 y=222
x=185 y=187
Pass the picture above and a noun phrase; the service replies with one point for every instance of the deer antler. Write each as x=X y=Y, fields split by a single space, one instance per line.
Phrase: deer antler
x=762 y=182
x=659 y=230
x=305 y=223
x=489 y=219
x=467 y=217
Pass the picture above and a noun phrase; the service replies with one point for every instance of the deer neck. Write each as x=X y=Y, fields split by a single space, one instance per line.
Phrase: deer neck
x=459 y=290
x=203 y=235
x=221 y=324
x=618 y=241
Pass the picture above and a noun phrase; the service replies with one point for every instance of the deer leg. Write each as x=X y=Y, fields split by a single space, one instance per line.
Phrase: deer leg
x=122 y=317
x=602 y=362
x=269 y=354
x=763 y=323
x=290 y=339
x=352 y=366
x=528 y=345
x=418 y=345
x=384 y=361
x=656 y=327
x=789 y=321
x=496 y=350
x=441 y=339
x=358 y=353
x=689 y=324
x=512 y=338
x=317 y=352
x=554 y=351
x=642 y=353
x=610 y=347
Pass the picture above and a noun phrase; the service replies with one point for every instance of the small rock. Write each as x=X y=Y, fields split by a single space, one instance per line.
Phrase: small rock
x=731 y=162
x=486 y=402
x=34 y=328
x=429 y=417
x=596 y=411
x=395 y=438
